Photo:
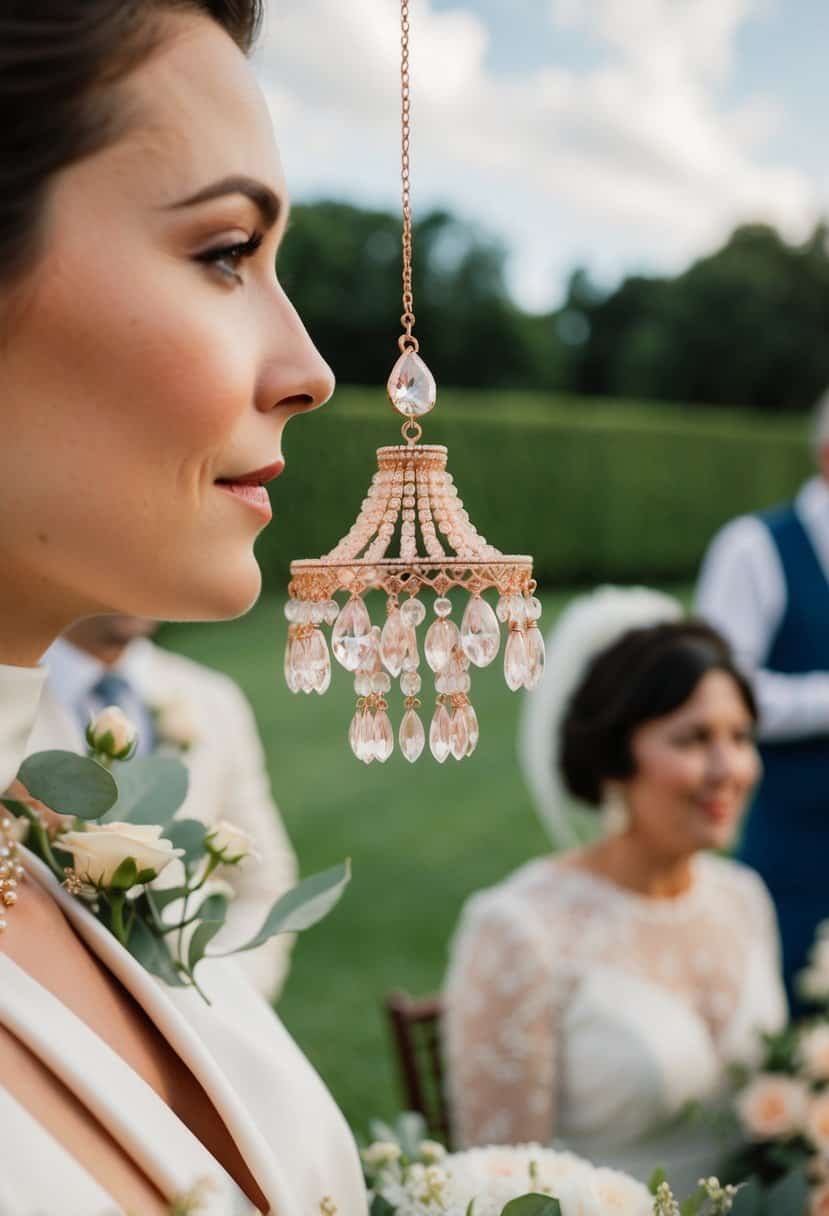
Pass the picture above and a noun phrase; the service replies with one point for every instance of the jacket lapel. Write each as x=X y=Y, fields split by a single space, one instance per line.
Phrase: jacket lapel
x=171 y=1022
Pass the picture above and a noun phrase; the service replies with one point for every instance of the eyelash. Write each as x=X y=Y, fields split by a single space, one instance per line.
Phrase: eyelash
x=233 y=254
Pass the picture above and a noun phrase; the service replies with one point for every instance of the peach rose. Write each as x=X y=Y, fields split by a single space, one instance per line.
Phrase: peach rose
x=814 y=1052
x=819 y=1200
x=773 y=1107
x=817 y=1123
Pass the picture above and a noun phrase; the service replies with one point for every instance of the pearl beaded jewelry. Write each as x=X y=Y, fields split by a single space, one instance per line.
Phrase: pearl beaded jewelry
x=11 y=870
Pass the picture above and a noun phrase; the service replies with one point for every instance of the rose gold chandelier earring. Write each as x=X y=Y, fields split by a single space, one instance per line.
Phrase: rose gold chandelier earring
x=410 y=492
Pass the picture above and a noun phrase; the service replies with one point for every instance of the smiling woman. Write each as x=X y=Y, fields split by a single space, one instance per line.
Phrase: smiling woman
x=149 y=362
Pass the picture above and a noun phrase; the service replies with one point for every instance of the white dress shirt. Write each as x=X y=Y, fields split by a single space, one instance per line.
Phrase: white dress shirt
x=742 y=593
x=228 y=778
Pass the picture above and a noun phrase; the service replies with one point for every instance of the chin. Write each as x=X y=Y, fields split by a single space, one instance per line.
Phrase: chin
x=219 y=593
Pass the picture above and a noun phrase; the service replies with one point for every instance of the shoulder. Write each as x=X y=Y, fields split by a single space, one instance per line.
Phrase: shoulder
x=175 y=673
x=730 y=883
x=530 y=903
x=743 y=537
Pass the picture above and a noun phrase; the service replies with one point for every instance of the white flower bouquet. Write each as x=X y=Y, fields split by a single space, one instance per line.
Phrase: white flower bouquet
x=783 y=1109
x=408 y=1176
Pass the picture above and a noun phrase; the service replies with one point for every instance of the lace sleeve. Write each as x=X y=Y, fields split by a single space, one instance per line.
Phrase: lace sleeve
x=499 y=1026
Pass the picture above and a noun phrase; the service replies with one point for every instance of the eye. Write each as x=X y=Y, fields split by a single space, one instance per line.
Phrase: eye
x=227 y=258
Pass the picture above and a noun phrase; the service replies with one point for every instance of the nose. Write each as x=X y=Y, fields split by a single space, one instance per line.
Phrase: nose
x=295 y=375
x=722 y=763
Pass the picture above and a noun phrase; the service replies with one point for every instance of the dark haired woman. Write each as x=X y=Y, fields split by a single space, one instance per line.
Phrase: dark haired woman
x=593 y=995
x=149 y=362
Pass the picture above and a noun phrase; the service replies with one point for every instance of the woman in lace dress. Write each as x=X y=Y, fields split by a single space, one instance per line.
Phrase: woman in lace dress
x=594 y=996
x=149 y=362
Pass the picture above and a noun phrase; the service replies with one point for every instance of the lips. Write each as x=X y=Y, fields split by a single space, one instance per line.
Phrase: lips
x=249 y=488
x=259 y=477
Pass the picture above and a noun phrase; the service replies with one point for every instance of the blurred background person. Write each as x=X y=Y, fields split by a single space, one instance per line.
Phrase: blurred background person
x=765 y=585
x=594 y=994
x=183 y=708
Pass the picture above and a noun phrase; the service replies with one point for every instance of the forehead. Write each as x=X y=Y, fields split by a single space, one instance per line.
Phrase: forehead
x=197 y=114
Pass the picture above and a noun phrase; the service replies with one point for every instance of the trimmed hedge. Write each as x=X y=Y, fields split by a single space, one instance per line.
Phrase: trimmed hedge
x=595 y=490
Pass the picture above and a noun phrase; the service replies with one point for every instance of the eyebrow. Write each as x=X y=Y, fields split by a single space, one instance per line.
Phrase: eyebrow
x=268 y=203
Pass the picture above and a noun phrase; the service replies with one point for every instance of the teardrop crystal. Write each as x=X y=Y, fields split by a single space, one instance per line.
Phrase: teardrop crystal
x=411 y=386
x=288 y=668
x=473 y=733
x=515 y=660
x=440 y=734
x=365 y=742
x=412 y=736
x=394 y=642
x=383 y=736
x=535 y=657
x=480 y=634
x=351 y=638
x=354 y=733
x=441 y=639
x=299 y=665
x=319 y=662
x=459 y=738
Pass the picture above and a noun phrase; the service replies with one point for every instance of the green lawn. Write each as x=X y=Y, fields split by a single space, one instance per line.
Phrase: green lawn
x=421 y=837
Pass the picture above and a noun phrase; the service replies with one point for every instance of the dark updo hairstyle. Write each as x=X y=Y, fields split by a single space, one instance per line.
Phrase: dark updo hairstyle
x=58 y=61
x=646 y=674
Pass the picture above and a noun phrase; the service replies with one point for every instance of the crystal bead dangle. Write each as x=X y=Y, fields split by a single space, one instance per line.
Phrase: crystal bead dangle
x=440 y=553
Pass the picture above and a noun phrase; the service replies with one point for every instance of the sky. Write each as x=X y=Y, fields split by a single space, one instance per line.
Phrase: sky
x=624 y=136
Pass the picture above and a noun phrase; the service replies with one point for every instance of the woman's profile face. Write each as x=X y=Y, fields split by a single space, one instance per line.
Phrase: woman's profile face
x=694 y=770
x=150 y=356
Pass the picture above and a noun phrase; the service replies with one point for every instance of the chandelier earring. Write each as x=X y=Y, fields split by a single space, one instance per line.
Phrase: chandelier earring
x=614 y=810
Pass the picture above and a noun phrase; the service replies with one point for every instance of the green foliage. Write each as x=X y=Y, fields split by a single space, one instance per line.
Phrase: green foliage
x=532 y=1205
x=341 y=267
x=150 y=790
x=303 y=906
x=69 y=784
x=744 y=325
x=595 y=491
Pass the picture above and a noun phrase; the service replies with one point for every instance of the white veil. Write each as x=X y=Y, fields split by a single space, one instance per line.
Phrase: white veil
x=587 y=626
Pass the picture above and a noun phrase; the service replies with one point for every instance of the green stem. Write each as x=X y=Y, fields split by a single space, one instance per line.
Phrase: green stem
x=37 y=837
x=116 y=903
x=213 y=864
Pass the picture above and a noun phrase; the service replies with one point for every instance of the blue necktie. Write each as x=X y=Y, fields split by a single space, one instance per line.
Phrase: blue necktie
x=113 y=689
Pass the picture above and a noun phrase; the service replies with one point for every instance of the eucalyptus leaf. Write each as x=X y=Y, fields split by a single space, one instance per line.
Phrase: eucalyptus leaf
x=167 y=895
x=69 y=784
x=532 y=1205
x=187 y=834
x=750 y=1201
x=381 y=1207
x=150 y=789
x=410 y=1129
x=153 y=954
x=303 y=906
x=205 y=931
x=790 y=1194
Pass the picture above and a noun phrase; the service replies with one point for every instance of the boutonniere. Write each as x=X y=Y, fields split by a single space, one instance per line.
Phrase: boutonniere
x=177 y=723
x=114 y=833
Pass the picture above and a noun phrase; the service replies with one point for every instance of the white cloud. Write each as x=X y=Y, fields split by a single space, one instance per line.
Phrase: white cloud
x=636 y=160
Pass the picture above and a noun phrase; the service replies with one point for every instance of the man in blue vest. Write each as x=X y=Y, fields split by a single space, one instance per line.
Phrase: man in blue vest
x=765 y=586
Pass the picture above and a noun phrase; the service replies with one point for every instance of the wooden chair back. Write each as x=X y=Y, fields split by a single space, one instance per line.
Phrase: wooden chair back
x=415 y=1025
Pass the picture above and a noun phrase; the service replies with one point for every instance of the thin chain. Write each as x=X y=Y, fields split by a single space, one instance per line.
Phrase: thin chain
x=407 y=320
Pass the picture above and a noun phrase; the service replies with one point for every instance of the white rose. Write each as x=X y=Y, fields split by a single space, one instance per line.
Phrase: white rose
x=230 y=842
x=773 y=1107
x=620 y=1195
x=819 y=1200
x=817 y=1123
x=813 y=1049
x=178 y=723
x=112 y=733
x=98 y=852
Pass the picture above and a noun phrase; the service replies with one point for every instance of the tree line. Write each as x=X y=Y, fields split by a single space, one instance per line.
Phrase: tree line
x=744 y=326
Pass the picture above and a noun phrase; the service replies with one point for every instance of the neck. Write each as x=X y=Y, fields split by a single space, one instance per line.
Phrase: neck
x=640 y=867
x=32 y=614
